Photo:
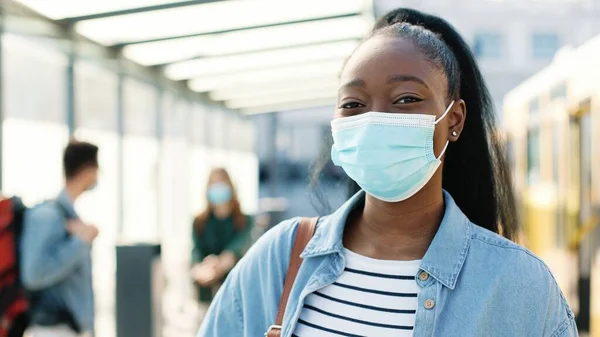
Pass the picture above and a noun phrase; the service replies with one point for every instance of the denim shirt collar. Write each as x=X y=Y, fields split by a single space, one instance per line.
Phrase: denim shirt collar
x=65 y=201
x=444 y=257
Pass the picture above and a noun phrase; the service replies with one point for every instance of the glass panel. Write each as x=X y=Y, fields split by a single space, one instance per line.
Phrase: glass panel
x=487 y=46
x=248 y=135
x=243 y=168
x=254 y=40
x=101 y=208
x=175 y=214
x=95 y=97
x=216 y=134
x=140 y=108
x=210 y=18
x=140 y=169
x=175 y=117
x=544 y=45
x=33 y=68
x=96 y=108
x=198 y=124
x=199 y=170
x=140 y=163
x=34 y=85
x=233 y=127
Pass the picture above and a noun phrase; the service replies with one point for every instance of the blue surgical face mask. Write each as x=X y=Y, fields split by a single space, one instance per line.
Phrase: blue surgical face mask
x=219 y=194
x=389 y=155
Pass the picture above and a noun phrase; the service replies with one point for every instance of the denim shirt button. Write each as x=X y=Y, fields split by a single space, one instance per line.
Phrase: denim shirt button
x=429 y=304
x=423 y=276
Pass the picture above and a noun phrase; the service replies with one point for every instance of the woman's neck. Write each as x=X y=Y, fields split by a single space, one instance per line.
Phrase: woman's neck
x=222 y=211
x=395 y=231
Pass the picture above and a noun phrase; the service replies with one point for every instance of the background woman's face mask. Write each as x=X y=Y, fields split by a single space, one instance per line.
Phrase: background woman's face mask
x=389 y=155
x=219 y=194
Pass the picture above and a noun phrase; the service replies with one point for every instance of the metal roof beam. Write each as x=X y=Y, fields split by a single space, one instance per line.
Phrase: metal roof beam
x=300 y=45
x=124 y=44
x=90 y=50
x=178 y=4
x=303 y=104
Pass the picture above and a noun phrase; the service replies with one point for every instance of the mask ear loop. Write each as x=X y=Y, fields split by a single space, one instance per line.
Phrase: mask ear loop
x=439 y=119
x=445 y=113
x=444 y=150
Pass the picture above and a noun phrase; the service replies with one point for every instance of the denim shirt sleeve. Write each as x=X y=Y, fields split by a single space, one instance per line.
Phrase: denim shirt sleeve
x=560 y=320
x=48 y=255
x=224 y=317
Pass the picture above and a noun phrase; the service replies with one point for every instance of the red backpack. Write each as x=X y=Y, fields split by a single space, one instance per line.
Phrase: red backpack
x=14 y=304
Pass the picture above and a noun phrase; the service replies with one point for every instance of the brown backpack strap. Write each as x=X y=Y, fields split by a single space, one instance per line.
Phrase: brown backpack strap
x=306 y=230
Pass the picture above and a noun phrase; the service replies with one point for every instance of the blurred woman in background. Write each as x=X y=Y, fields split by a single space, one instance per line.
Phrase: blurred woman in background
x=220 y=234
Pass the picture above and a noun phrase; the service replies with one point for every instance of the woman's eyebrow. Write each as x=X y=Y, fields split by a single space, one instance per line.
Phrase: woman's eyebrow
x=406 y=78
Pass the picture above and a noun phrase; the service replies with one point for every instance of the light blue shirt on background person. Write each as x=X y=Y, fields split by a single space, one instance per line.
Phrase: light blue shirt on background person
x=55 y=265
x=477 y=283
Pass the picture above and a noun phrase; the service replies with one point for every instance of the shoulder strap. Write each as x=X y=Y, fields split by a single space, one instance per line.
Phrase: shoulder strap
x=306 y=230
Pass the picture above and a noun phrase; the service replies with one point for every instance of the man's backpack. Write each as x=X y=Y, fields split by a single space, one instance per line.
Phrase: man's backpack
x=14 y=304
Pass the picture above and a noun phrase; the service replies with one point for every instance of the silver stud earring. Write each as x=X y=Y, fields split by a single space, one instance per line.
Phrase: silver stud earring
x=454 y=133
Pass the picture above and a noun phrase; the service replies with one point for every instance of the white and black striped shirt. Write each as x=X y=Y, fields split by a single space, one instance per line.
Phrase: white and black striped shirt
x=371 y=298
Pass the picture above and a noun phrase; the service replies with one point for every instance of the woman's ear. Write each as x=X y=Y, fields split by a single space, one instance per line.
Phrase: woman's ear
x=456 y=120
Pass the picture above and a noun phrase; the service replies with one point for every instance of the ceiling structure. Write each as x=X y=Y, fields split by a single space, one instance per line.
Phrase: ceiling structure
x=255 y=56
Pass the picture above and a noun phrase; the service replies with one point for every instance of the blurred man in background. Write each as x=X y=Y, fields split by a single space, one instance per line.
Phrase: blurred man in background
x=55 y=247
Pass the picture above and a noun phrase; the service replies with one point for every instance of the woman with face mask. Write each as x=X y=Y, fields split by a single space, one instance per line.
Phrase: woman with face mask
x=220 y=234
x=418 y=250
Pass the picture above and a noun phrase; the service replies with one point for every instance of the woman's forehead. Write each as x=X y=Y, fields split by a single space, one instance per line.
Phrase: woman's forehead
x=382 y=56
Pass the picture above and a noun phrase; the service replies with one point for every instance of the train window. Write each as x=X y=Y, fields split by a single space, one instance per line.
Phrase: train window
x=559 y=211
x=544 y=45
x=533 y=155
x=586 y=137
x=534 y=106
x=487 y=46
x=561 y=233
x=556 y=154
x=559 y=91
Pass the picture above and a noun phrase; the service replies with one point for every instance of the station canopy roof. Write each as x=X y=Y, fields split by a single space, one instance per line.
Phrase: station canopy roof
x=254 y=55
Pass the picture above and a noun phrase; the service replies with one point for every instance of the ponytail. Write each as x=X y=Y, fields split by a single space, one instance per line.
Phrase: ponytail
x=476 y=171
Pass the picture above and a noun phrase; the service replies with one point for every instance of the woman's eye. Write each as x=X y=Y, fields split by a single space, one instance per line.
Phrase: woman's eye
x=351 y=105
x=407 y=100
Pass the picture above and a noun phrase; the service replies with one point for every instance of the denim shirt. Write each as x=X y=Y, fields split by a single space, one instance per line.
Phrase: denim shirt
x=56 y=265
x=480 y=284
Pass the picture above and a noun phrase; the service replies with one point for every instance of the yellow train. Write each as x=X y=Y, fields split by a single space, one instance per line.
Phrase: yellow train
x=552 y=129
